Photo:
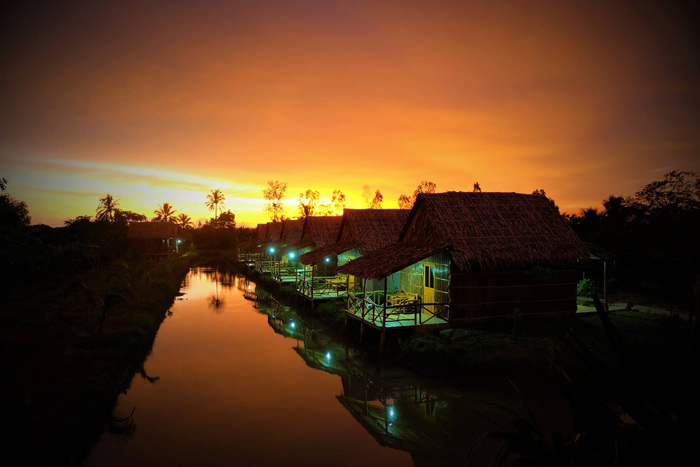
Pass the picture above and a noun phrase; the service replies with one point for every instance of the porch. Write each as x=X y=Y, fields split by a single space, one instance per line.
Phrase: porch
x=264 y=266
x=314 y=287
x=395 y=309
x=285 y=274
x=249 y=259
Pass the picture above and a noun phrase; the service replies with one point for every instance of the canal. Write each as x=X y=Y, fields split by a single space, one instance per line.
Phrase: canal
x=235 y=378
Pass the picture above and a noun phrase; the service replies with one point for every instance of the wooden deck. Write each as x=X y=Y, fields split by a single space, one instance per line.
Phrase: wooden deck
x=401 y=315
x=321 y=288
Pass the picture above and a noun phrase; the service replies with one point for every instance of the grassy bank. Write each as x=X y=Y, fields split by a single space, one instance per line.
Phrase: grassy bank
x=70 y=346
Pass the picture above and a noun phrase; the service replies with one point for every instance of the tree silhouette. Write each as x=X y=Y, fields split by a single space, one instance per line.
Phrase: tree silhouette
x=424 y=187
x=184 y=221
x=106 y=209
x=376 y=202
x=477 y=187
x=165 y=213
x=307 y=203
x=215 y=199
x=274 y=194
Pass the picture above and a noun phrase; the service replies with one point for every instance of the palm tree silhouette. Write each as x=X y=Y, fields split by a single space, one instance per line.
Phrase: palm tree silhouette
x=106 y=208
x=214 y=200
x=165 y=213
x=183 y=220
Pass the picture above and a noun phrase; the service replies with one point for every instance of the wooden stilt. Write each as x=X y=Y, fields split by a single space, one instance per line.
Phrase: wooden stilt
x=362 y=331
x=382 y=339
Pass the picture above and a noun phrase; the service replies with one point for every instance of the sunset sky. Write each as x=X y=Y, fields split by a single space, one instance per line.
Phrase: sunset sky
x=163 y=101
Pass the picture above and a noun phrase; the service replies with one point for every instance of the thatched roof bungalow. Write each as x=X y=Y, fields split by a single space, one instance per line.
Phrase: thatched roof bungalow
x=257 y=240
x=361 y=231
x=478 y=256
x=152 y=238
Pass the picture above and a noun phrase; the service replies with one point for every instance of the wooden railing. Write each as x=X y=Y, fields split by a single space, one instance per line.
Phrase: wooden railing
x=249 y=258
x=371 y=307
x=282 y=273
x=264 y=266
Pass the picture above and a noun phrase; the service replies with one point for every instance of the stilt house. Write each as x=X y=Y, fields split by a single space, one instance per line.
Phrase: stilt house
x=361 y=232
x=245 y=254
x=318 y=232
x=467 y=257
x=287 y=263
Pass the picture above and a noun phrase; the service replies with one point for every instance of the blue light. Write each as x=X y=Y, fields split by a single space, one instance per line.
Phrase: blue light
x=328 y=260
x=328 y=355
x=291 y=255
x=392 y=413
x=272 y=250
x=292 y=325
x=179 y=241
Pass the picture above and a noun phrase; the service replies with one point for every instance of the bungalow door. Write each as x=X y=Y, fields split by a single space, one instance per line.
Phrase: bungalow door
x=429 y=287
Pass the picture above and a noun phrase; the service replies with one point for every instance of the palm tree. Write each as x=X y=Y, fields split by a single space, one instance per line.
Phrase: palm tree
x=184 y=221
x=106 y=208
x=165 y=213
x=215 y=199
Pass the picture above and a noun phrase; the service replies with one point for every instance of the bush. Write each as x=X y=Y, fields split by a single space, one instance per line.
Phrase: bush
x=586 y=287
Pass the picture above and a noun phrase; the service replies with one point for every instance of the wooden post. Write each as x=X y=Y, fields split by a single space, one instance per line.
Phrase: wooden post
x=362 y=330
x=384 y=315
x=605 y=284
x=381 y=341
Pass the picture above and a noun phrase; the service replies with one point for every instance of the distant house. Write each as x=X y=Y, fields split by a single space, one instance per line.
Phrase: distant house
x=318 y=232
x=467 y=257
x=361 y=232
x=152 y=238
x=244 y=249
x=265 y=250
x=286 y=265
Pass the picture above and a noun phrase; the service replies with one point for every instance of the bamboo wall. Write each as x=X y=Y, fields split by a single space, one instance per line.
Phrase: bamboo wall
x=480 y=295
x=348 y=256
x=412 y=277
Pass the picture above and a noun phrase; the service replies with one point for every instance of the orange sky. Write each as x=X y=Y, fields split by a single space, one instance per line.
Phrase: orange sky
x=164 y=101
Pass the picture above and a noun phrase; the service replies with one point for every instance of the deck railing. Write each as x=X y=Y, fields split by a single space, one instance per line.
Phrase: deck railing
x=249 y=258
x=371 y=307
x=282 y=273
x=264 y=266
x=321 y=286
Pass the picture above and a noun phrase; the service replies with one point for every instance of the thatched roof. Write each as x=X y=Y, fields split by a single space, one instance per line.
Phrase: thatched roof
x=390 y=259
x=317 y=254
x=292 y=231
x=318 y=231
x=485 y=231
x=151 y=230
x=274 y=231
x=366 y=229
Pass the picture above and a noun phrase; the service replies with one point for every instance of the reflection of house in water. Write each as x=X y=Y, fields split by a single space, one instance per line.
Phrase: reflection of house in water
x=438 y=426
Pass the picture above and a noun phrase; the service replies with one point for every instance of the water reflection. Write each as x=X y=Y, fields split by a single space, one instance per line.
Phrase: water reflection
x=229 y=391
x=436 y=424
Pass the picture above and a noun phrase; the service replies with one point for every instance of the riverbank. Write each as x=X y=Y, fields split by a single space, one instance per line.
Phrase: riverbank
x=71 y=346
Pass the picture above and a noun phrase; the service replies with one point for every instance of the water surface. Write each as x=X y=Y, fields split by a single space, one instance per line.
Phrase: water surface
x=237 y=381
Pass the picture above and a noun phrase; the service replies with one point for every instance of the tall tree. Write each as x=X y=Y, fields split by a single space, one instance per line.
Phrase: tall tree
x=678 y=191
x=308 y=201
x=127 y=217
x=165 y=213
x=215 y=199
x=107 y=208
x=424 y=187
x=226 y=220
x=274 y=194
x=184 y=221
x=376 y=202
x=338 y=202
